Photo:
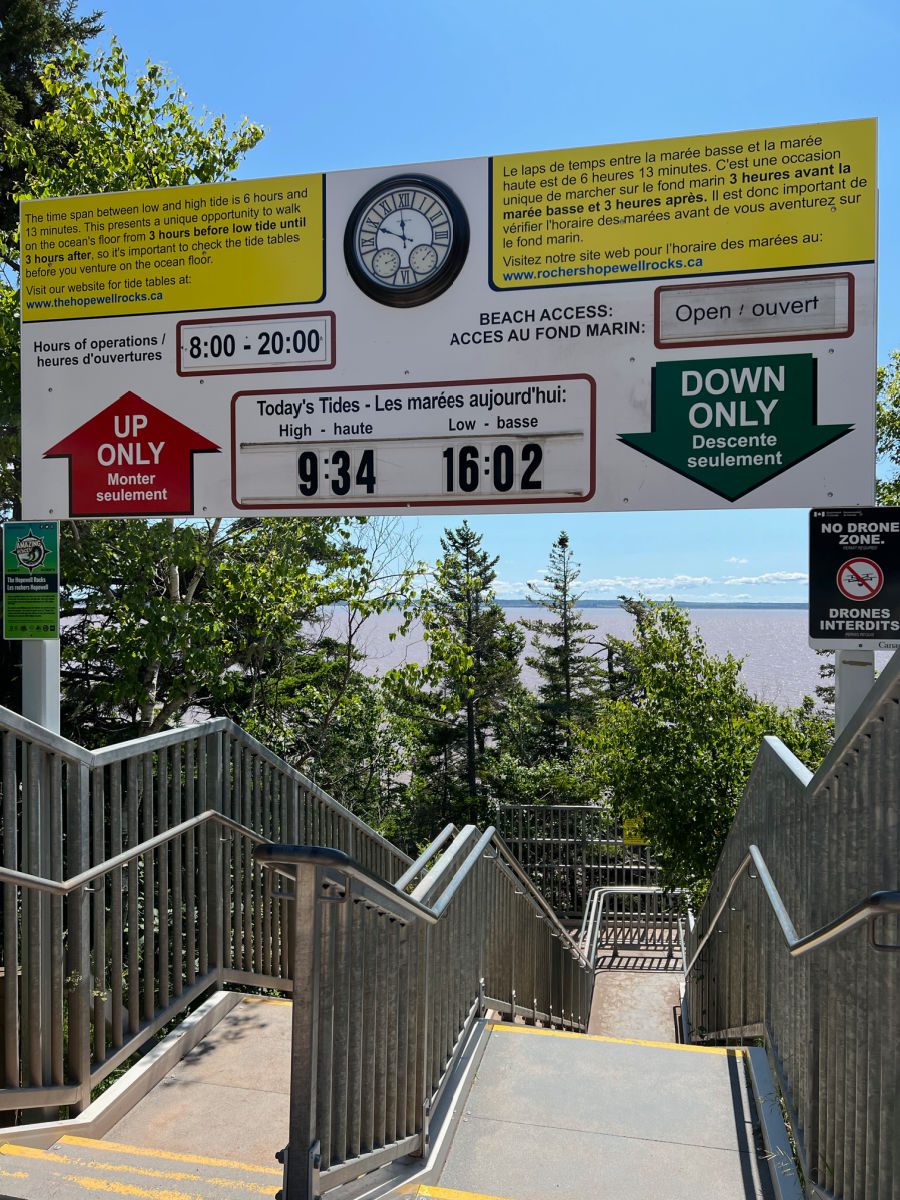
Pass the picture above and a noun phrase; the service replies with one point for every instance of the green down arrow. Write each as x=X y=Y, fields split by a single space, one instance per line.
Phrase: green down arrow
x=731 y=424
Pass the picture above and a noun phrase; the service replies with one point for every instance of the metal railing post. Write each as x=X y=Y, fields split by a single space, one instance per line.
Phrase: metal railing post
x=78 y=953
x=301 y=1155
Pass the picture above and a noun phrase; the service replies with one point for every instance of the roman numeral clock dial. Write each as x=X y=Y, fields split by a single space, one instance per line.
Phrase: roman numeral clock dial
x=406 y=240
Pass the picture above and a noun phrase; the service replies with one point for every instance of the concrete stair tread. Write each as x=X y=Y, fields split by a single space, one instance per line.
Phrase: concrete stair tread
x=77 y=1166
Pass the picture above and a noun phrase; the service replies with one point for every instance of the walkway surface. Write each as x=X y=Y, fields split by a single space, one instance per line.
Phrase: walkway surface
x=550 y=1116
x=556 y=1116
x=208 y=1131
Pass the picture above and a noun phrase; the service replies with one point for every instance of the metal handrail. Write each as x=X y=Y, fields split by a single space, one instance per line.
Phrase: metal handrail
x=592 y=923
x=774 y=962
x=426 y=856
x=127 y=889
x=869 y=908
x=396 y=901
x=393 y=985
x=65 y=887
x=151 y=743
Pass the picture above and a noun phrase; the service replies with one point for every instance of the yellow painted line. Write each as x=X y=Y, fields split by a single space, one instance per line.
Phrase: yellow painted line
x=150 y=1172
x=440 y=1193
x=127 y=1189
x=199 y=1159
x=737 y=1051
x=259 y=1189
x=15 y=1151
x=13 y=1174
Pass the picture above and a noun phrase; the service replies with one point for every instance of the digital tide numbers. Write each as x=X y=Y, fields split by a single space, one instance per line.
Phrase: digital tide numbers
x=522 y=441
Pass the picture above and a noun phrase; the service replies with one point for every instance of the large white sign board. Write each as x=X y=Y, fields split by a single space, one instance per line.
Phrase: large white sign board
x=669 y=325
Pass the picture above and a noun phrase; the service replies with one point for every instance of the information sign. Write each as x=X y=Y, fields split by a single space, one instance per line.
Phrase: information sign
x=686 y=323
x=854 y=578
x=30 y=580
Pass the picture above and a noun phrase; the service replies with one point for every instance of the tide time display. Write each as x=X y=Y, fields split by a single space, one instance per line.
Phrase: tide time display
x=506 y=441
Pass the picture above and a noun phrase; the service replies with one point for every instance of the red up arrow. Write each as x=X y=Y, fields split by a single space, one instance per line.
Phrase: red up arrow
x=131 y=460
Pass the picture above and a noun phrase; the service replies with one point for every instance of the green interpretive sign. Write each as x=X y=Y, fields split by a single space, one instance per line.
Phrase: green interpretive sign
x=731 y=424
x=30 y=580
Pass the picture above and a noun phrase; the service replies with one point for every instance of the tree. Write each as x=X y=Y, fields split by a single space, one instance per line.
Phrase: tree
x=31 y=33
x=564 y=657
x=887 y=425
x=472 y=672
x=676 y=749
x=118 y=135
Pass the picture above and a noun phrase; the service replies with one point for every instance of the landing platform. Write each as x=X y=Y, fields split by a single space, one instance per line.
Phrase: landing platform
x=556 y=1116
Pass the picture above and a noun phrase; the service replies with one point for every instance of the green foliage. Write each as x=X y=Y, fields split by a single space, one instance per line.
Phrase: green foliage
x=887 y=424
x=565 y=654
x=456 y=705
x=31 y=33
x=676 y=747
x=99 y=131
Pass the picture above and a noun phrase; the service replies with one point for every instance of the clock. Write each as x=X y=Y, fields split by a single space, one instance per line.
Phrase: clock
x=406 y=240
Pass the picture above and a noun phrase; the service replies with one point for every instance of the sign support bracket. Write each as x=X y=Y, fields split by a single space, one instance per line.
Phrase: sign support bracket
x=854 y=675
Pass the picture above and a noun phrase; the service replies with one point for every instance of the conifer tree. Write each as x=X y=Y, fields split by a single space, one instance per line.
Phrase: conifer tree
x=464 y=600
x=565 y=653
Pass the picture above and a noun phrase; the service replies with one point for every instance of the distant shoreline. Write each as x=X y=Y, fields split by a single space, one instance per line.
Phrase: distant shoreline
x=506 y=602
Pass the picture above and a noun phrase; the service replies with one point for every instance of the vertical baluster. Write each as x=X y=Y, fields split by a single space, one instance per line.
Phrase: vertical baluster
x=267 y=805
x=78 y=964
x=391 y=1029
x=256 y=824
x=340 y=1034
x=249 y=867
x=355 y=1026
x=117 y=933
x=163 y=801
x=134 y=1011
x=241 y=850
x=57 y=1019
x=203 y=897
x=327 y=904
x=190 y=866
x=11 y=943
x=149 y=862
x=177 y=787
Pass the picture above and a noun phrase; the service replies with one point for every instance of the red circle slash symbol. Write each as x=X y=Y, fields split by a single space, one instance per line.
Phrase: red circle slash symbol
x=860 y=579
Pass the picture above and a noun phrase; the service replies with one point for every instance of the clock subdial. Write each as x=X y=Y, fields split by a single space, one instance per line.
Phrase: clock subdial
x=423 y=259
x=386 y=263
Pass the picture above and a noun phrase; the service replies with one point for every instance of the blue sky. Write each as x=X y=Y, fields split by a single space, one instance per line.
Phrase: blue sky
x=351 y=84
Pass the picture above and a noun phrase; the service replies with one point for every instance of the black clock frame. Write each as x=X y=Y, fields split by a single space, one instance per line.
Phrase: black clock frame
x=436 y=284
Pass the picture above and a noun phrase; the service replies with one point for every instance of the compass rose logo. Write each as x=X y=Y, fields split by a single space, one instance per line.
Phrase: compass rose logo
x=30 y=551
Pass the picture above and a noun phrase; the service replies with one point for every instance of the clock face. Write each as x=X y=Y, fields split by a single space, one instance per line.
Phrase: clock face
x=406 y=240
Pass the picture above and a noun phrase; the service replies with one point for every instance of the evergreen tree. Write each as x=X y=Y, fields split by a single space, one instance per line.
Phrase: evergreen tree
x=565 y=654
x=31 y=33
x=459 y=715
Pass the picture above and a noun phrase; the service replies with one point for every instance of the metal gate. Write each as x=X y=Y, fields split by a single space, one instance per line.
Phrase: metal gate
x=569 y=849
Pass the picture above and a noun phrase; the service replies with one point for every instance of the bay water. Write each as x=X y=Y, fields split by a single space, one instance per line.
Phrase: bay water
x=779 y=665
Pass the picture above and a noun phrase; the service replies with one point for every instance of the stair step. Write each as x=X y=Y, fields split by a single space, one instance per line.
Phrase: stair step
x=78 y=1166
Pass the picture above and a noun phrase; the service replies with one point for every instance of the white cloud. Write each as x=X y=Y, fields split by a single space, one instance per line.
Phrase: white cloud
x=768 y=577
x=739 y=562
x=509 y=590
x=649 y=584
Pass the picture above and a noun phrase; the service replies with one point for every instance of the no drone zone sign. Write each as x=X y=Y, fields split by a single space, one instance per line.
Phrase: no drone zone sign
x=854 y=578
